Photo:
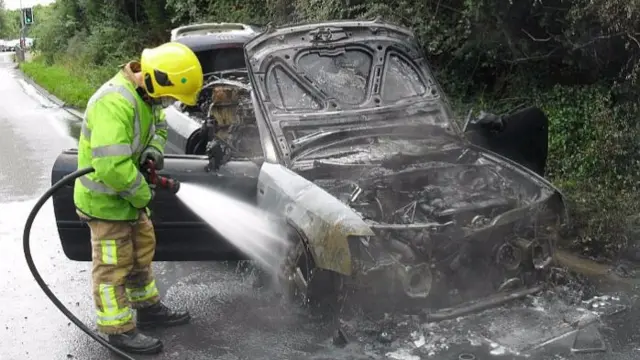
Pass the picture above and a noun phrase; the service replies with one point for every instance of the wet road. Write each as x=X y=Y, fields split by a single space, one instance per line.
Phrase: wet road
x=232 y=320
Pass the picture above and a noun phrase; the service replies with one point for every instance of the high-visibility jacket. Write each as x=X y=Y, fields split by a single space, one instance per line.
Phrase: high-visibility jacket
x=118 y=125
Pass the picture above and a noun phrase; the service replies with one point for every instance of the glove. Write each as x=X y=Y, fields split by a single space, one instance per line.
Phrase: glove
x=153 y=154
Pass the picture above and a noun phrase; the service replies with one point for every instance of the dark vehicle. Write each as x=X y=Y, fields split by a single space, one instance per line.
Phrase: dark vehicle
x=342 y=133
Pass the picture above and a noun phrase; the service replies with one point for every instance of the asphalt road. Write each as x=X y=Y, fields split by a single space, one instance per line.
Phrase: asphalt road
x=232 y=320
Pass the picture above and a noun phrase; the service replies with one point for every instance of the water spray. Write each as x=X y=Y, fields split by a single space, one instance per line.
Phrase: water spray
x=248 y=228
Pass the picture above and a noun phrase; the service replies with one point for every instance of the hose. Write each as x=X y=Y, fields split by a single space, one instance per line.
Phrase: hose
x=27 y=253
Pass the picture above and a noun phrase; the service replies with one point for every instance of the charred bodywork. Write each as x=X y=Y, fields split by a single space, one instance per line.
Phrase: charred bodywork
x=340 y=130
x=366 y=163
x=445 y=218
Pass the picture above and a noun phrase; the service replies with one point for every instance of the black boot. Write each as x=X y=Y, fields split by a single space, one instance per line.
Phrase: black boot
x=136 y=342
x=159 y=315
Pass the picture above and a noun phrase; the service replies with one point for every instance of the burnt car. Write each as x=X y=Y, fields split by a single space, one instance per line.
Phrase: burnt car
x=343 y=134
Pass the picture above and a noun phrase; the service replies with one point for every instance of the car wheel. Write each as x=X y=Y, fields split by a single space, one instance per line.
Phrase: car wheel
x=318 y=289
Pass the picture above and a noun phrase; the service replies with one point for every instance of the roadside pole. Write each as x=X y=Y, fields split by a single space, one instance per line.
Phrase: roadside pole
x=20 y=49
x=22 y=25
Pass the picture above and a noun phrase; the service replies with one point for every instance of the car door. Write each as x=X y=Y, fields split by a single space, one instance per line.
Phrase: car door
x=524 y=138
x=181 y=234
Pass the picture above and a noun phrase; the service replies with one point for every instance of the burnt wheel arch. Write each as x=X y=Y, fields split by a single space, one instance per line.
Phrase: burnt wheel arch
x=324 y=286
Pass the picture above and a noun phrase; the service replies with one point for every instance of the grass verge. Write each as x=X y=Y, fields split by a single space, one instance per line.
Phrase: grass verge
x=71 y=86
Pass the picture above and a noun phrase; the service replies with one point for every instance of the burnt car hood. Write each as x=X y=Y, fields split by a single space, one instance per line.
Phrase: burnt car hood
x=437 y=180
x=317 y=77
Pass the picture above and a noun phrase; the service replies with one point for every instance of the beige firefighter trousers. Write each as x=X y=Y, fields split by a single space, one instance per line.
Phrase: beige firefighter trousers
x=122 y=278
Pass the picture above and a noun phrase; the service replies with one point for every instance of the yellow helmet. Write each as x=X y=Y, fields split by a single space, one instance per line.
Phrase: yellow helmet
x=172 y=70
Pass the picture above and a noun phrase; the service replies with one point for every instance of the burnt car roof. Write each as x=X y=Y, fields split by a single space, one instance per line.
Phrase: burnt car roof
x=324 y=76
x=207 y=36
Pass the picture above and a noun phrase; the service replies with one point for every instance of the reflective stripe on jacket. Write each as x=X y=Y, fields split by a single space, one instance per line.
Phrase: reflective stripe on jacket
x=118 y=125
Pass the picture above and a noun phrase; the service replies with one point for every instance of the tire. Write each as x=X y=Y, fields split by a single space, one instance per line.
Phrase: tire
x=323 y=291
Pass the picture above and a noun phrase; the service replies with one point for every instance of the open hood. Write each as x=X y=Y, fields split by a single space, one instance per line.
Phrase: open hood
x=316 y=78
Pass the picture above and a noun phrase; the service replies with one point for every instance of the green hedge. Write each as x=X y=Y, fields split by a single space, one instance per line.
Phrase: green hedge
x=69 y=85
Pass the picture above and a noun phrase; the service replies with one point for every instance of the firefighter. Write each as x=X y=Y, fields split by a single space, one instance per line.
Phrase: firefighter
x=124 y=125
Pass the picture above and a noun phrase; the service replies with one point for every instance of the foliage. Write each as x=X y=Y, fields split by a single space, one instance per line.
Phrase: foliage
x=62 y=82
x=10 y=24
x=593 y=158
x=576 y=59
x=251 y=12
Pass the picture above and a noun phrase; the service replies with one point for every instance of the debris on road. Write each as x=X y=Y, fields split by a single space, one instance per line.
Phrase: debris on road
x=519 y=329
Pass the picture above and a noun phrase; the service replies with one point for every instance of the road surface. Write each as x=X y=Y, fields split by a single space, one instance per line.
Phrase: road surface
x=232 y=320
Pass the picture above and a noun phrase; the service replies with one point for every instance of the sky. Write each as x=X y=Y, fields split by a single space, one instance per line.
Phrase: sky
x=15 y=4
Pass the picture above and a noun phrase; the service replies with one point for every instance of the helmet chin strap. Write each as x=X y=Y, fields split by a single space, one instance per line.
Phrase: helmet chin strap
x=148 y=99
